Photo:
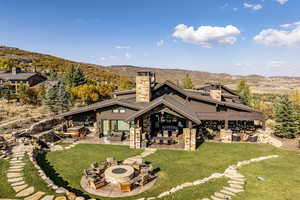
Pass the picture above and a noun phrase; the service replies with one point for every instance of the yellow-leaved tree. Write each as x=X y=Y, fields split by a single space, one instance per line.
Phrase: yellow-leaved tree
x=90 y=93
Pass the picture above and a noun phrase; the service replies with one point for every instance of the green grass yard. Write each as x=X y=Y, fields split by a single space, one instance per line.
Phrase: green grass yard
x=176 y=167
x=281 y=174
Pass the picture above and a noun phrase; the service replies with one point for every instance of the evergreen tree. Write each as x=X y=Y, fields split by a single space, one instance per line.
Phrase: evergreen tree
x=244 y=90
x=54 y=76
x=74 y=77
x=286 y=118
x=187 y=82
x=57 y=98
x=7 y=92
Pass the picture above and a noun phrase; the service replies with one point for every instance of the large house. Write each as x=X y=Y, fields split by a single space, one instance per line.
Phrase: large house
x=15 y=77
x=157 y=110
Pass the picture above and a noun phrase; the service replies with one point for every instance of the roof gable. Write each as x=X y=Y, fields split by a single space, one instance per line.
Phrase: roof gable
x=170 y=103
x=102 y=104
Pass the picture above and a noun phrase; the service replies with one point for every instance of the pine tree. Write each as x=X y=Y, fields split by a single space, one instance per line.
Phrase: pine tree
x=74 y=77
x=57 y=98
x=63 y=98
x=286 y=118
x=187 y=82
x=7 y=92
x=244 y=90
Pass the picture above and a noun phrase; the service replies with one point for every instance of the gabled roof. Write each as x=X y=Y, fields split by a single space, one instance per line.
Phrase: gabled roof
x=196 y=96
x=102 y=104
x=21 y=76
x=171 y=103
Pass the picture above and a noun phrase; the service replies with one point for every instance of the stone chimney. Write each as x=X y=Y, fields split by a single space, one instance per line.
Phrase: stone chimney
x=15 y=70
x=144 y=83
x=216 y=93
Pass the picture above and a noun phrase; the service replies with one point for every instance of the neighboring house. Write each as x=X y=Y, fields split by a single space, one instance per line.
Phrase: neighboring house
x=154 y=108
x=15 y=77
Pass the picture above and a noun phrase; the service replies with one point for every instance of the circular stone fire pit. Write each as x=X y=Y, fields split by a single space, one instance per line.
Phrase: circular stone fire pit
x=119 y=174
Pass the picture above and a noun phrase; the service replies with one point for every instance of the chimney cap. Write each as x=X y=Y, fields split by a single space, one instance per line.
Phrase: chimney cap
x=145 y=73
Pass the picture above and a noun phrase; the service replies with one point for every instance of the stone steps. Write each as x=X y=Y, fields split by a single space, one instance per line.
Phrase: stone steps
x=25 y=192
x=35 y=196
x=19 y=188
x=228 y=192
x=236 y=182
x=236 y=186
x=222 y=196
x=234 y=190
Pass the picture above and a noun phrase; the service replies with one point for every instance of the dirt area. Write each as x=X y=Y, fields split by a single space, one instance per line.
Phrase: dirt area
x=15 y=116
x=13 y=110
x=288 y=144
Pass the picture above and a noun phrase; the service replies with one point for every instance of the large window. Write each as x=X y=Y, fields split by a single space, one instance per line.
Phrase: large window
x=116 y=126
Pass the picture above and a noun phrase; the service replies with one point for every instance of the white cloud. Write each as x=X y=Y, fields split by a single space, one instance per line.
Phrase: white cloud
x=290 y=25
x=128 y=56
x=160 y=43
x=274 y=37
x=252 y=6
x=206 y=36
x=122 y=47
x=103 y=58
x=286 y=25
x=276 y=63
x=282 y=1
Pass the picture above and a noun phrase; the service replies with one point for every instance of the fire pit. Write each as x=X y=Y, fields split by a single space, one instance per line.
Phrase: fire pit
x=119 y=174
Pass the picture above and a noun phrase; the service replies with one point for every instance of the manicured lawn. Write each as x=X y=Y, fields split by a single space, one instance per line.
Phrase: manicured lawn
x=31 y=177
x=177 y=167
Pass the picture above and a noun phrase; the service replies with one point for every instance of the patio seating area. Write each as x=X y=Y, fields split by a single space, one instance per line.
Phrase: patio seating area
x=111 y=178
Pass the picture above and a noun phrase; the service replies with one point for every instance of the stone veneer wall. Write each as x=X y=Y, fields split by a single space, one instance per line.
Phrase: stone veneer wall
x=226 y=135
x=189 y=139
x=143 y=89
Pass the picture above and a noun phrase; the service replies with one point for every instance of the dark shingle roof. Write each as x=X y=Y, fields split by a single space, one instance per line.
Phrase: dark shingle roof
x=21 y=76
x=171 y=103
x=105 y=103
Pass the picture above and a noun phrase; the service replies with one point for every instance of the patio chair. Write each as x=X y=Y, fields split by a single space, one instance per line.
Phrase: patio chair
x=136 y=180
x=125 y=187
x=97 y=183
x=94 y=165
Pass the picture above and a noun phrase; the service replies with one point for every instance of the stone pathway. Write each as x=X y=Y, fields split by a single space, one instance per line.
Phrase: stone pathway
x=61 y=148
x=236 y=183
x=15 y=177
x=145 y=153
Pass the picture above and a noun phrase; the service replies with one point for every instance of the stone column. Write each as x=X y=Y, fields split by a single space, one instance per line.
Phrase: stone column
x=138 y=135
x=193 y=139
x=132 y=138
x=187 y=138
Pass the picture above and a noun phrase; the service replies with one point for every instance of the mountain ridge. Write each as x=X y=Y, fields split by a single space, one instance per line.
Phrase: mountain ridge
x=43 y=62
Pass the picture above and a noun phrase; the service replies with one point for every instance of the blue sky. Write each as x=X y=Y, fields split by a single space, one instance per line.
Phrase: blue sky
x=231 y=36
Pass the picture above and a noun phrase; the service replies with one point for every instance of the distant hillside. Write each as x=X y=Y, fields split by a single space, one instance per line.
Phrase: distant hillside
x=259 y=84
x=43 y=62
x=29 y=60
